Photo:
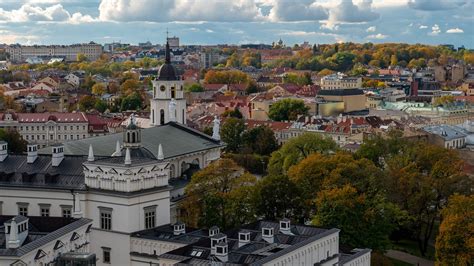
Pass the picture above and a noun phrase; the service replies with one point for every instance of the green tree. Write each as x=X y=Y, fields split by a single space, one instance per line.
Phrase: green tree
x=277 y=197
x=100 y=105
x=287 y=109
x=260 y=140
x=81 y=57
x=296 y=149
x=233 y=113
x=16 y=144
x=131 y=102
x=129 y=86
x=231 y=133
x=220 y=194
x=86 y=103
x=455 y=241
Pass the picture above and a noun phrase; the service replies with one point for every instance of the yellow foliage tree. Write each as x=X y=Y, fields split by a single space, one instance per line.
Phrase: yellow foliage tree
x=455 y=241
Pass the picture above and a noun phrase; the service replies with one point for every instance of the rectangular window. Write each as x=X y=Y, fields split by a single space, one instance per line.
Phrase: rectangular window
x=105 y=218
x=23 y=210
x=150 y=217
x=45 y=211
x=66 y=210
x=106 y=255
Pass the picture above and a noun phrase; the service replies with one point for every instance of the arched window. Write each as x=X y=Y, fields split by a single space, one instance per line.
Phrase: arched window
x=133 y=137
x=172 y=171
x=173 y=92
x=162 y=117
x=184 y=119
x=128 y=137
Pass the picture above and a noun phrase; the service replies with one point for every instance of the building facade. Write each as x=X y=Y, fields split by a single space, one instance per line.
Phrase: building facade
x=20 y=53
x=340 y=81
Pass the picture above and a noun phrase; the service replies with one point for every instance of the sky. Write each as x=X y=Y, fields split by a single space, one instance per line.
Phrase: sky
x=237 y=21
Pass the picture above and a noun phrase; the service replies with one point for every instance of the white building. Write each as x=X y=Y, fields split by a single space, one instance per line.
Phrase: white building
x=46 y=129
x=340 y=81
x=258 y=243
x=20 y=53
x=43 y=240
x=124 y=182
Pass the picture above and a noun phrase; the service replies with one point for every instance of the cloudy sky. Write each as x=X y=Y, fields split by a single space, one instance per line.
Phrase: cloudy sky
x=237 y=21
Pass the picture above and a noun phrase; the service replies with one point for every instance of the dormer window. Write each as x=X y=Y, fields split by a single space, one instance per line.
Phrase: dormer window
x=244 y=236
x=285 y=224
x=267 y=232
x=213 y=231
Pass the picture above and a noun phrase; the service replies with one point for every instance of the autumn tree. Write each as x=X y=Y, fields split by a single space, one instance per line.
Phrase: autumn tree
x=287 y=109
x=363 y=221
x=99 y=89
x=420 y=179
x=86 y=103
x=455 y=241
x=226 y=77
x=220 y=194
x=129 y=86
x=195 y=87
x=231 y=133
x=296 y=149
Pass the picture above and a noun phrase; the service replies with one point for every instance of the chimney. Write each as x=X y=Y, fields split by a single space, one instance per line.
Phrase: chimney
x=267 y=234
x=90 y=158
x=244 y=238
x=285 y=226
x=128 y=159
x=77 y=212
x=179 y=228
x=3 y=150
x=160 y=156
x=58 y=154
x=222 y=251
x=32 y=150
x=16 y=231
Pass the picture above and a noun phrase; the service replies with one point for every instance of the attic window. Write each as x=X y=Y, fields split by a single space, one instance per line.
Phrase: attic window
x=40 y=254
x=59 y=244
x=74 y=236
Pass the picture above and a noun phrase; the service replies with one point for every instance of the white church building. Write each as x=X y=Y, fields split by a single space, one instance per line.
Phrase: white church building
x=124 y=182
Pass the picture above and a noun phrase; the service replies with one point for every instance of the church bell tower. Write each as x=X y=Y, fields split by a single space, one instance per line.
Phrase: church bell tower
x=168 y=103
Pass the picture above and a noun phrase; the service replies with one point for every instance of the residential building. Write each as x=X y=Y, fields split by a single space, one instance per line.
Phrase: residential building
x=19 y=53
x=340 y=81
x=208 y=59
x=446 y=136
x=43 y=240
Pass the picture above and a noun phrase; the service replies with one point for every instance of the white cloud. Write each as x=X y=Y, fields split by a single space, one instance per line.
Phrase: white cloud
x=179 y=10
x=348 y=12
x=433 y=5
x=423 y=27
x=435 y=30
x=371 y=29
x=54 y=13
x=9 y=37
x=283 y=10
x=378 y=36
x=455 y=30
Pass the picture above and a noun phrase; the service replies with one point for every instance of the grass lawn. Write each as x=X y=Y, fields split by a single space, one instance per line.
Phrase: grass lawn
x=399 y=262
x=410 y=246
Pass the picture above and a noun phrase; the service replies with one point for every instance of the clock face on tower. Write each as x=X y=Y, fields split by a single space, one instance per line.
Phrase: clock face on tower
x=162 y=88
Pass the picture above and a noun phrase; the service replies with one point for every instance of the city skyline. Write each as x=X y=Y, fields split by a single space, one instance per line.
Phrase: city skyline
x=240 y=22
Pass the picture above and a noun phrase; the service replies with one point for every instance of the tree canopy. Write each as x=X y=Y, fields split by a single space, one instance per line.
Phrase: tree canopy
x=287 y=109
